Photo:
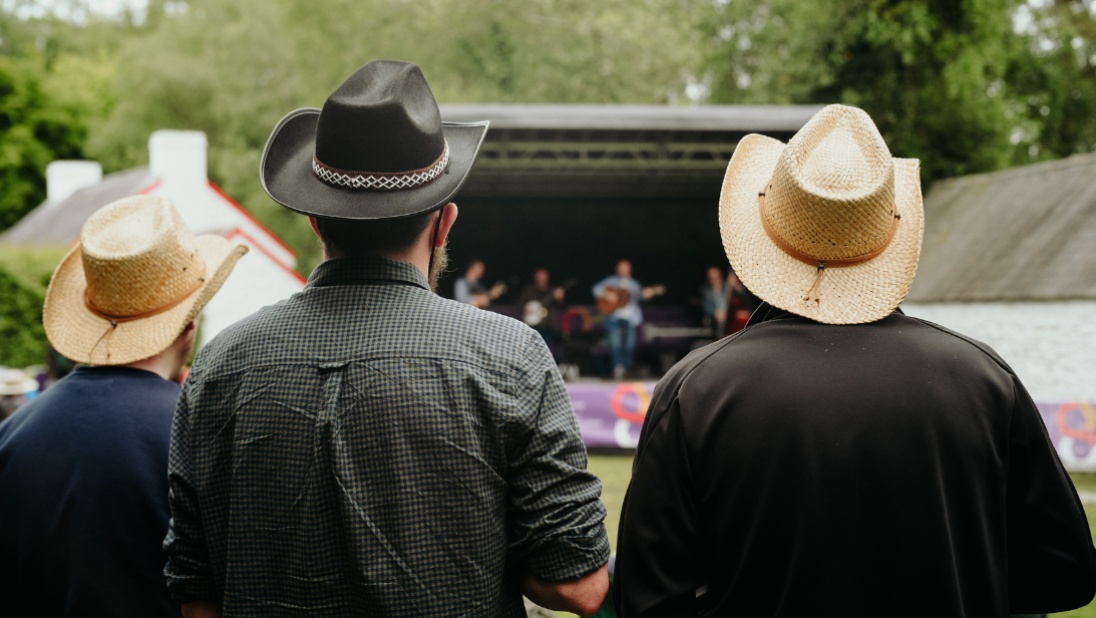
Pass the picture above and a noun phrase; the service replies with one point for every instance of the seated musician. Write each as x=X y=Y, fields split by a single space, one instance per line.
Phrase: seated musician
x=540 y=303
x=622 y=294
x=470 y=290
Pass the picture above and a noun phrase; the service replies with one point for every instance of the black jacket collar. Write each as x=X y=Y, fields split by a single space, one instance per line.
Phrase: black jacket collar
x=768 y=313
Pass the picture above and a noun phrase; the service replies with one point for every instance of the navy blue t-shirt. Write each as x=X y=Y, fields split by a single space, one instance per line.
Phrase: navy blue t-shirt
x=83 y=497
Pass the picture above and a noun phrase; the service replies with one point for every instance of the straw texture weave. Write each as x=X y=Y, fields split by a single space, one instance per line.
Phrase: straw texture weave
x=136 y=257
x=832 y=193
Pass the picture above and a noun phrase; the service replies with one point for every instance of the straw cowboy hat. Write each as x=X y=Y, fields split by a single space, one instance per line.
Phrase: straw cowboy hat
x=827 y=226
x=15 y=382
x=377 y=149
x=133 y=283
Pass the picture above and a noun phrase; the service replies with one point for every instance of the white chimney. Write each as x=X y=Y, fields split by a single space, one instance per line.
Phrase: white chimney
x=178 y=159
x=63 y=178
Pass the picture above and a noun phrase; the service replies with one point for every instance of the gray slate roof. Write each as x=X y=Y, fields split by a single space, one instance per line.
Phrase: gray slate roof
x=1027 y=233
x=59 y=223
x=745 y=118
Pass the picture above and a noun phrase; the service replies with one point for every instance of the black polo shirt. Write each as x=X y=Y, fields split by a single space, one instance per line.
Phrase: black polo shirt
x=804 y=469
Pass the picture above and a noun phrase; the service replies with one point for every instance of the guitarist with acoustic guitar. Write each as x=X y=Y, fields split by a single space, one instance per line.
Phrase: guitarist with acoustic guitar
x=618 y=297
x=470 y=290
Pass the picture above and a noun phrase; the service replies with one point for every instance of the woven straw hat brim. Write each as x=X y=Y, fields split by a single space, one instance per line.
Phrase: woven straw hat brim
x=854 y=294
x=81 y=336
x=287 y=177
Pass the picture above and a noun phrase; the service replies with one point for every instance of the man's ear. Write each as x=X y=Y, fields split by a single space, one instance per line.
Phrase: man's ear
x=448 y=217
x=312 y=222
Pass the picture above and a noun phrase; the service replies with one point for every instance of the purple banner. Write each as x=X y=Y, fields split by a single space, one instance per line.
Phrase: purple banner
x=610 y=415
x=1071 y=427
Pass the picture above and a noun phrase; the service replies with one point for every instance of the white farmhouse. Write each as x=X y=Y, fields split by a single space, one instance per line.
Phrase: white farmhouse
x=177 y=170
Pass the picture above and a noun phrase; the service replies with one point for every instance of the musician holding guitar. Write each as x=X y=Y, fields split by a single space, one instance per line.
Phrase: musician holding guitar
x=540 y=301
x=618 y=296
x=470 y=290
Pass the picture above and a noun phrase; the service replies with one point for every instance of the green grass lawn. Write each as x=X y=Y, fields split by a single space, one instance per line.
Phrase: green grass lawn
x=615 y=472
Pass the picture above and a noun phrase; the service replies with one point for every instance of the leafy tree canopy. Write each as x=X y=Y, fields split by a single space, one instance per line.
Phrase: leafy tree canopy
x=964 y=85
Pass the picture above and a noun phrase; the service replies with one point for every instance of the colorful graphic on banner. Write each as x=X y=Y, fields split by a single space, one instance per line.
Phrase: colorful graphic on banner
x=610 y=415
x=1072 y=429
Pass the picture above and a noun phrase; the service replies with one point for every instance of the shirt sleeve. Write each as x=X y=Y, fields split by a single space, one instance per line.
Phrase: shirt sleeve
x=188 y=572
x=556 y=515
x=1052 y=563
x=658 y=541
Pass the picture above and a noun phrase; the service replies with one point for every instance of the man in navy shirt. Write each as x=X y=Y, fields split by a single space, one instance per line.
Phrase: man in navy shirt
x=83 y=467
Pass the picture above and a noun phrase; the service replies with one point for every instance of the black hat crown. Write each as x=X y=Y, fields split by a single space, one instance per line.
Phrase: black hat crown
x=378 y=149
x=382 y=120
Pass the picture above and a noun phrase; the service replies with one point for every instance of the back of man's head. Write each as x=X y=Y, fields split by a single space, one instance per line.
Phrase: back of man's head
x=371 y=237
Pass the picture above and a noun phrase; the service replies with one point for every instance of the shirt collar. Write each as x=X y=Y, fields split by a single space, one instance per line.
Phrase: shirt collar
x=768 y=313
x=366 y=271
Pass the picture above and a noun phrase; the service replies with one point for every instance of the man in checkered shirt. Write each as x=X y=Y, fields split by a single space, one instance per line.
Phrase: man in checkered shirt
x=367 y=447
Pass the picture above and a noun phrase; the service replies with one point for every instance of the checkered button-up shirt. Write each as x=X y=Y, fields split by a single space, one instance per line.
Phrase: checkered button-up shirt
x=369 y=448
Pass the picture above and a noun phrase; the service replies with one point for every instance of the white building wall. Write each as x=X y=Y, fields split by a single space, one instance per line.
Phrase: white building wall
x=256 y=282
x=1050 y=345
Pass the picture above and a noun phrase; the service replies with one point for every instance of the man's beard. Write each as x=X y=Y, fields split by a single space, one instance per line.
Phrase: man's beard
x=439 y=265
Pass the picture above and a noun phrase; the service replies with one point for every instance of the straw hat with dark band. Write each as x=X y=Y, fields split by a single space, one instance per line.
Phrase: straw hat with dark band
x=134 y=282
x=828 y=226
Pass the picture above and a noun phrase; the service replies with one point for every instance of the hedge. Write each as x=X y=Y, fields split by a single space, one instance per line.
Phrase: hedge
x=24 y=277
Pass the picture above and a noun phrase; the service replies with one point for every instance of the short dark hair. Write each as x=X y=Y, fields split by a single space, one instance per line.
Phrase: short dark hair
x=365 y=237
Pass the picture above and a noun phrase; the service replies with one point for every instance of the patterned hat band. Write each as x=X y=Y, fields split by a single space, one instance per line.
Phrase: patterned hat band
x=382 y=181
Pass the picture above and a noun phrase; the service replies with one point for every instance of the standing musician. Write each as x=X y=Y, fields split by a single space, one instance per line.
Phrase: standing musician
x=618 y=296
x=741 y=303
x=727 y=306
x=714 y=299
x=470 y=290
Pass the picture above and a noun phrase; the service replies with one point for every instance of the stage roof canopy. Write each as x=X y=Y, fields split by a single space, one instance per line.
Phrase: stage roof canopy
x=614 y=151
x=748 y=118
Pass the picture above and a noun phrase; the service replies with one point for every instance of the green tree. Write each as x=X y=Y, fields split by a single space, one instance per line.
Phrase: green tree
x=24 y=276
x=1054 y=78
x=930 y=72
x=48 y=101
x=232 y=68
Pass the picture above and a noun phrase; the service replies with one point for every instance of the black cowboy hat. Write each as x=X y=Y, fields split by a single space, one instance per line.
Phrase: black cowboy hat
x=378 y=149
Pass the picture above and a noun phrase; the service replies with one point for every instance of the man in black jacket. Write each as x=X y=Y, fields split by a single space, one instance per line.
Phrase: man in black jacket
x=837 y=457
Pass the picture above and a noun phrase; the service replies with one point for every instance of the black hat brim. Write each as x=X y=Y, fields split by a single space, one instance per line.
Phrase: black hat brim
x=287 y=177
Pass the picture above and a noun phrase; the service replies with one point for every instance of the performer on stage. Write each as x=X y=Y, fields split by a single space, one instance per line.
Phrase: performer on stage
x=713 y=297
x=470 y=290
x=619 y=296
x=740 y=306
x=540 y=303
x=727 y=305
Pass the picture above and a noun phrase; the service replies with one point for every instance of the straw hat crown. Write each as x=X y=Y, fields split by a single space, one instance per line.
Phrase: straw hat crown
x=138 y=256
x=827 y=226
x=136 y=279
x=833 y=189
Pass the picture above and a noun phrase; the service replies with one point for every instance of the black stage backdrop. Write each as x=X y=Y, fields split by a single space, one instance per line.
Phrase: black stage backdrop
x=670 y=242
